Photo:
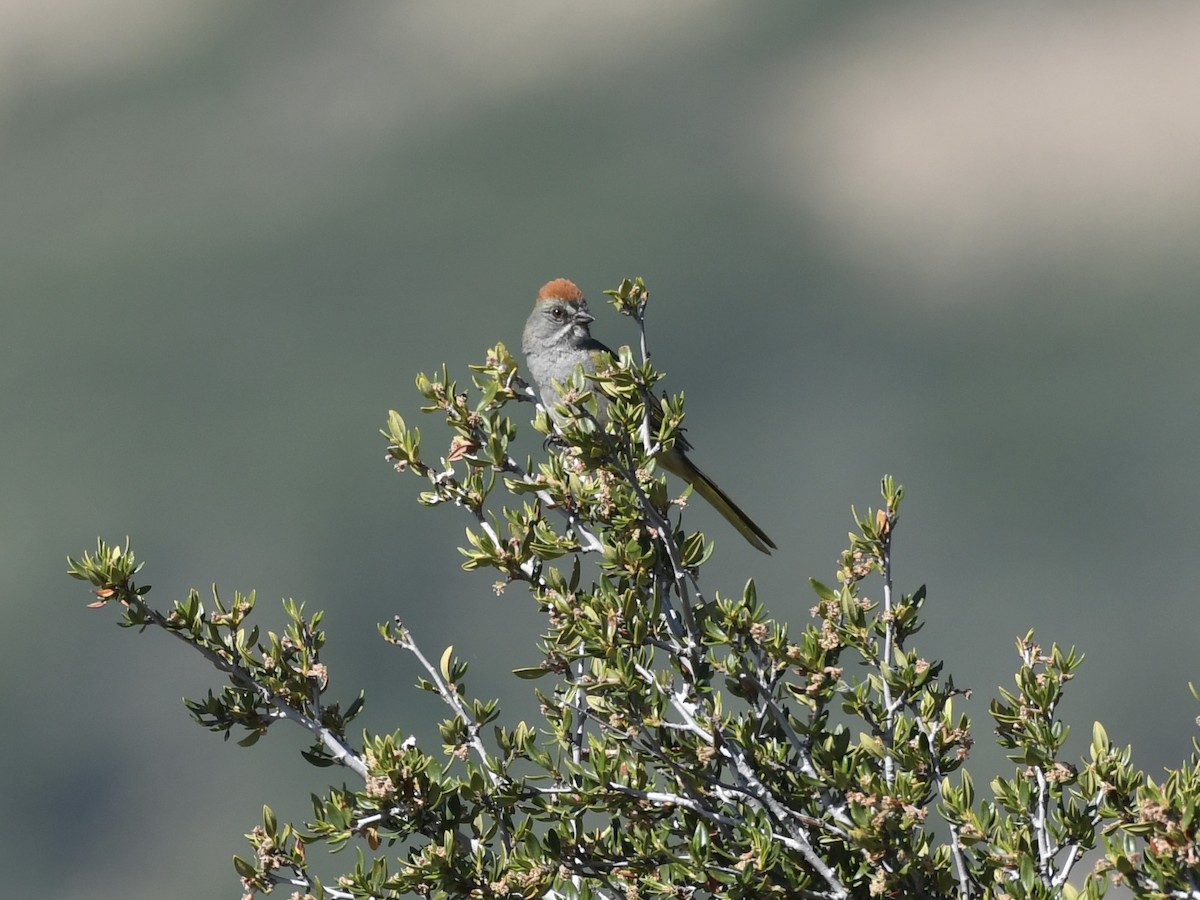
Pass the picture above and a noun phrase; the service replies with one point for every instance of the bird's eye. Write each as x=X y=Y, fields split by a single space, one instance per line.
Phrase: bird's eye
x=557 y=313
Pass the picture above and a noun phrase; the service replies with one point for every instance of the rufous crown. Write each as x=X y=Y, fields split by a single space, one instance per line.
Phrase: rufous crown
x=560 y=289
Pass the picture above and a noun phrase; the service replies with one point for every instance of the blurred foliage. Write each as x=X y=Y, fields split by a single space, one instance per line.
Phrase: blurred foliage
x=689 y=745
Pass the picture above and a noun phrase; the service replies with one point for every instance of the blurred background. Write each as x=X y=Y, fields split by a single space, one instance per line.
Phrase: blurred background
x=954 y=243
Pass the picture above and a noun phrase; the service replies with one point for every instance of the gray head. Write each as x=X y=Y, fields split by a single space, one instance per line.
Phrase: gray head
x=557 y=337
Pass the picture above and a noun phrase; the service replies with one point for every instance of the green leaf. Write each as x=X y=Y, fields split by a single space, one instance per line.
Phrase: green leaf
x=822 y=591
x=243 y=868
x=270 y=824
x=314 y=758
x=529 y=673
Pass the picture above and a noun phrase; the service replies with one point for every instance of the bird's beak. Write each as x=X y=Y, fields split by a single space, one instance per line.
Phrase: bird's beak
x=583 y=317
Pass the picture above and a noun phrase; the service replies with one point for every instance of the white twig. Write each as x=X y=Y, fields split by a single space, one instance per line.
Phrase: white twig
x=301 y=881
x=451 y=699
x=1041 y=826
x=960 y=863
x=677 y=702
x=756 y=791
x=798 y=839
x=1073 y=854
x=889 y=636
x=580 y=707
x=281 y=709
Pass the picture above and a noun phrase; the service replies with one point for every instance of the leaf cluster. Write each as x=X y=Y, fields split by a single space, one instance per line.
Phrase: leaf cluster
x=688 y=744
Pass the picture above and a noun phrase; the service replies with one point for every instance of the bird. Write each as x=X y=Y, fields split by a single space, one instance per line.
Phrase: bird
x=558 y=337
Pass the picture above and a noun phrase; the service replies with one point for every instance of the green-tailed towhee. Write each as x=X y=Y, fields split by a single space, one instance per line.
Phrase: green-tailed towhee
x=557 y=339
